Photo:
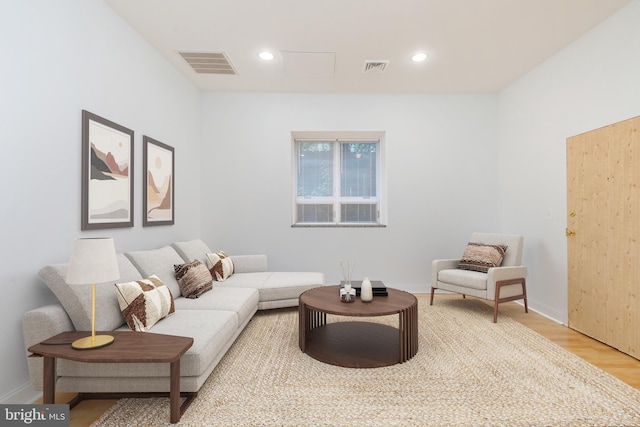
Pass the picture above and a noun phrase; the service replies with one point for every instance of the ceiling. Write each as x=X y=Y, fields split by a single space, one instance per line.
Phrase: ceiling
x=474 y=46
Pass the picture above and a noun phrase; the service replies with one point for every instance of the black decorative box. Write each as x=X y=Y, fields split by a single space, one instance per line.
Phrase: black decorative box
x=379 y=289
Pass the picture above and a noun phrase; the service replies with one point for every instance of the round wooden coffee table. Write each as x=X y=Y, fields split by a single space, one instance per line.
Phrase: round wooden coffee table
x=357 y=344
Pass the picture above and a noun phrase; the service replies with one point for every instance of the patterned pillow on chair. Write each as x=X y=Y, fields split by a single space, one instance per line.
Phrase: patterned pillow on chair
x=481 y=257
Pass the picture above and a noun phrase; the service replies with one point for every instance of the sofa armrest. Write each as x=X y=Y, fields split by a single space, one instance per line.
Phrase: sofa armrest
x=43 y=323
x=497 y=274
x=442 y=264
x=249 y=263
x=38 y=325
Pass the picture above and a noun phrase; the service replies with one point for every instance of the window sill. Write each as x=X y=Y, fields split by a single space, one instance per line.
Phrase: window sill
x=338 y=226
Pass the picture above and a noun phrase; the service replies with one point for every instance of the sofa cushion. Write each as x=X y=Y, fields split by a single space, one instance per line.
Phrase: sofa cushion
x=243 y=301
x=246 y=280
x=481 y=257
x=220 y=266
x=249 y=263
x=197 y=249
x=144 y=302
x=211 y=331
x=192 y=249
x=159 y=262
x=275 y=286
x=193 y=278
x=76 y=299
x=467 y=278
x=283 y=285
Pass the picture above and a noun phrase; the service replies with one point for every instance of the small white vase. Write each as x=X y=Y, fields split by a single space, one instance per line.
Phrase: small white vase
x=366 y=292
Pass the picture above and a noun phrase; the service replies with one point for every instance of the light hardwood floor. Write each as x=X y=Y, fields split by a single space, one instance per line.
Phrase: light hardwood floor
x=618 y=364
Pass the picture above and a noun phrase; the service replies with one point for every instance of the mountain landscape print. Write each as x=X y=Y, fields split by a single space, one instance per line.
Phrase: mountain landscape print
x=159 y=170
x=107 y=183
x=105 y=166
x=109 y=180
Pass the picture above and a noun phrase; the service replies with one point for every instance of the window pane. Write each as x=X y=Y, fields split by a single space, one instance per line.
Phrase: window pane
x=358 y=172
x=337 y=181
x=359 y=213
x=315 y=169
x=315 y=213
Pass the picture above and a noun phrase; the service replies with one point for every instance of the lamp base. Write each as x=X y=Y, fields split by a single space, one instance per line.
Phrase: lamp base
x=90 y=342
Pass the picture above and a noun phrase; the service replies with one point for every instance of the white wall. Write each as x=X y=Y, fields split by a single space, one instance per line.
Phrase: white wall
x=442 y=151
x=455 y=164
x=592 y=83
x=440 y=169
x=60 y=58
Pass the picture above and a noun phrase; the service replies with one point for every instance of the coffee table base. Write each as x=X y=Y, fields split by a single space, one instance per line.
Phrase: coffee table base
x=357 y=344
x=354 y=344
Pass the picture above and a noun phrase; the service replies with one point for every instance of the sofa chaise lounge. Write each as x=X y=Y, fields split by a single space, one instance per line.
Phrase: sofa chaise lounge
x=214 y=319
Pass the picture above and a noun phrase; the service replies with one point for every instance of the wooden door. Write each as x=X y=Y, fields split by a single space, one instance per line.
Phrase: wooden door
x=603 y=185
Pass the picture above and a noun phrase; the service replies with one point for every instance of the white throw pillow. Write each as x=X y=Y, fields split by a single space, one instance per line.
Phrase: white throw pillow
x=144 y=302
x=220 y=266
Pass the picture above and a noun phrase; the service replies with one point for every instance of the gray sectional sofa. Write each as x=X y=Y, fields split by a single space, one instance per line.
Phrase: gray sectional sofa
x=214 y=320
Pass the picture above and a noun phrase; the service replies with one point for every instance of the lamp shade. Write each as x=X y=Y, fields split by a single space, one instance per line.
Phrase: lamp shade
x=93 y=260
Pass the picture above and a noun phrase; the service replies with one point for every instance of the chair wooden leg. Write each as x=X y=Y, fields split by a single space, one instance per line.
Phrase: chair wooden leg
x=498 y=300
x=432 y=292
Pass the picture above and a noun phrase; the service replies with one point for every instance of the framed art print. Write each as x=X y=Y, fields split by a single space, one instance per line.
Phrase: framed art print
x=107 y=173
x=158 y=183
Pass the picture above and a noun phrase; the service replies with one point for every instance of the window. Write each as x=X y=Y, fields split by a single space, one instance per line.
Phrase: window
x=337 y=181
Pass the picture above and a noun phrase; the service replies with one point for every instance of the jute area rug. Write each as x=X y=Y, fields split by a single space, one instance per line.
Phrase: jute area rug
x=468 y=372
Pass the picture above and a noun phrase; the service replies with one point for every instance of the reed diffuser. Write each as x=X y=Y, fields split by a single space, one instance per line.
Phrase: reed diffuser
x=347 y=271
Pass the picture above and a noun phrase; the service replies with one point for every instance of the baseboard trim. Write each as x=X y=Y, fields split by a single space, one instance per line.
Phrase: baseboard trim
x=22 y=395
x=539 y=311
x=414 y=289
x=543 y=311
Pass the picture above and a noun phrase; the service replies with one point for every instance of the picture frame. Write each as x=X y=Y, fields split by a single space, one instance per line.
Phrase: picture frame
x=107 y=173
x=158 y=183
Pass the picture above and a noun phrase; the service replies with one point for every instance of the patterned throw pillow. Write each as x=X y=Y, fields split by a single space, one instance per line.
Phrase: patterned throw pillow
x=481 y=257
x=220 y=266
x=144 y=302
x=193 y=278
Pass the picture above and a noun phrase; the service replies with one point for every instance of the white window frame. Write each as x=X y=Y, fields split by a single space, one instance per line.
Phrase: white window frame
x=336 y=200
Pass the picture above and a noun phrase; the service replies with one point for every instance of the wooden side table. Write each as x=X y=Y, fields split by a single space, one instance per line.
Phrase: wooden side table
x=128 y=347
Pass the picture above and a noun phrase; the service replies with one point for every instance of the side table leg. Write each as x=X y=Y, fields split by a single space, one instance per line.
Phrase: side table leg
x=49 y=380
x=174 y=392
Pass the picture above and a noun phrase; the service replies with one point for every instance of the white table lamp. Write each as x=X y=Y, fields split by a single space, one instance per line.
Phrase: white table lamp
x=93 y=260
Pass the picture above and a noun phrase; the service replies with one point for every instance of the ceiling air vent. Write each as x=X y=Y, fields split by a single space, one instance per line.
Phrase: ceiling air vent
x=209 y=62
x=371 y=66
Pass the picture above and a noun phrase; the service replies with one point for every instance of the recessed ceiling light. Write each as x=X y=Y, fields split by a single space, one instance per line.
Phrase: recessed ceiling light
x=419 y=57
x=266 y=55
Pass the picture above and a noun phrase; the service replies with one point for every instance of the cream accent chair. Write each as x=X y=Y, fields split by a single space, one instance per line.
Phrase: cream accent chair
x=499 y=284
